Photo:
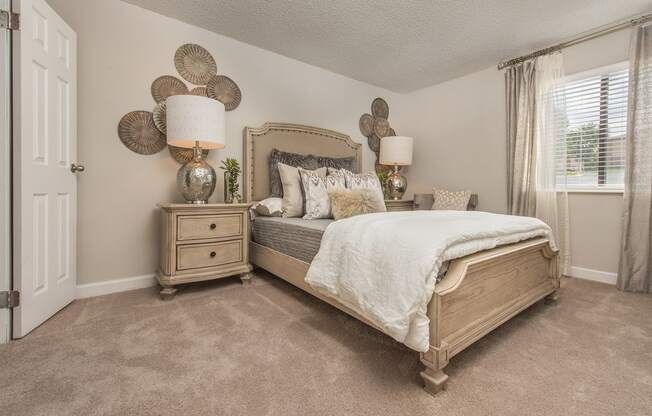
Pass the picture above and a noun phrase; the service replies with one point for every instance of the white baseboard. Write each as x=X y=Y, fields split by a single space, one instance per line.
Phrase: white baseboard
x=595 y=275
x=5 y=333
x=90 y=290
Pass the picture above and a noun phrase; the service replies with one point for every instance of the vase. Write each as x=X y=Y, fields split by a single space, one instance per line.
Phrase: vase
x=228 y=196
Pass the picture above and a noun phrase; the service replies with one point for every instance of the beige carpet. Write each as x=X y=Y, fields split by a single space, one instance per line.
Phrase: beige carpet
x=270 y=349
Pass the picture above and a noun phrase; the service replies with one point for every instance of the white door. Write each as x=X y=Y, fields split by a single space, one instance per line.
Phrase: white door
x=45 y=146
x=5 y=172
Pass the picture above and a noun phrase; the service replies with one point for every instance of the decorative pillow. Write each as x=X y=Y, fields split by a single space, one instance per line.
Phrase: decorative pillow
x=269 y=207
x=450 y=200
x=292 y=205
x=289 y=159
x=346 y=203
x=309 y=162
x=347 y=163
x=363 y=181
x=315 y=193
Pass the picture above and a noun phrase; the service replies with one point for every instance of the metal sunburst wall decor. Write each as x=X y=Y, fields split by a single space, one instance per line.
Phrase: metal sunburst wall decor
x=144 y=132
x=375 y=126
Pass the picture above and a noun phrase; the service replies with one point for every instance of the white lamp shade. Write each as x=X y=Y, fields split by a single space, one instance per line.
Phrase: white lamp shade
x=191 y=118
x=396 y=150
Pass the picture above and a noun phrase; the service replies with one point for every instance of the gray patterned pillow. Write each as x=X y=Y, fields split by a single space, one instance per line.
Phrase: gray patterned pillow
x=296 y=160
x=316 y=191
x=347 y=163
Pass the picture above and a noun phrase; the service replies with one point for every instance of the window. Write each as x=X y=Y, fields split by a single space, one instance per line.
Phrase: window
x=591 y=148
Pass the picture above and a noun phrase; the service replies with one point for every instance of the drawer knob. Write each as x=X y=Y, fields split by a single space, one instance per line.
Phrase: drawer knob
x=213 y=254
x=213 y=226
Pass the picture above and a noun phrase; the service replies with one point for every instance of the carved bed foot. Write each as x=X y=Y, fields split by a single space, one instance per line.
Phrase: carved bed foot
x=167 y=293
x=246 y=279
x=552 y=298
x=434 y=380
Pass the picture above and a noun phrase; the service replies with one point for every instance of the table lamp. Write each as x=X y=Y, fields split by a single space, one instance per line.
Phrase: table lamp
x=195 y=122
x=396 y=151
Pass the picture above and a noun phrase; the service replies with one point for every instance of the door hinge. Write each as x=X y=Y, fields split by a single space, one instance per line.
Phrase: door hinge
x=9 y=299
x=9 y=20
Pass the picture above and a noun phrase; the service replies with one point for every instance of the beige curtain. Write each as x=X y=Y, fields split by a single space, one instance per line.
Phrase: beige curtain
x=520 y=97
x=551 y=203
x=535 y=105
x=635 y=269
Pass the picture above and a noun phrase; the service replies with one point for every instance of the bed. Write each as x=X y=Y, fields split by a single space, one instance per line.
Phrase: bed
x=478 y=292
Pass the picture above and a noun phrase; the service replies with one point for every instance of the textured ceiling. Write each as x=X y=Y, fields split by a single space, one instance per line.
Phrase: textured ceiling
x=399 y=45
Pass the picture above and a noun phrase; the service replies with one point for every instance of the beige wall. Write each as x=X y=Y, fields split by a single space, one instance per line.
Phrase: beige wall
x=122 y=49
x=459 y=131
x=459 y=127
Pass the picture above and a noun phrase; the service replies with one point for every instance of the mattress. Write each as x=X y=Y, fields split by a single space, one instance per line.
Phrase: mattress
x=295 y=237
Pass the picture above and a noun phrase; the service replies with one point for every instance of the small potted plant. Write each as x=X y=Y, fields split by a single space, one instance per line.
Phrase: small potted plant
x=232 y=170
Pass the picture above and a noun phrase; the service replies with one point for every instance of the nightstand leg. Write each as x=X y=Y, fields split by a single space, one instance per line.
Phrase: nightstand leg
x=167 y=293
x=246 y=279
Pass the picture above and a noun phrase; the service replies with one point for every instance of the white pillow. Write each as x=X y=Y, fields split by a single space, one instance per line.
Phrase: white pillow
x=450 y=200
x=363 y=181
x=269 y=207
x=292 y=205
x=315 y=192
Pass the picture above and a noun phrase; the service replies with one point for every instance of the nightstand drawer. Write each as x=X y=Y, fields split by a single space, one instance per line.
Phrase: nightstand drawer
x=195 y=227
x=209 y=255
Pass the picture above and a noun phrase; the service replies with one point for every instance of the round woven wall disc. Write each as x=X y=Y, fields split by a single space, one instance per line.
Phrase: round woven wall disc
x=183 y=155
x=138 y=132
x=379 y=108
x=199 y=91
x=381 y=127
x=166 y=86
x=374 y=143
x=195 y=64
x=366 y=124
x=224 y=90
x=159 y=117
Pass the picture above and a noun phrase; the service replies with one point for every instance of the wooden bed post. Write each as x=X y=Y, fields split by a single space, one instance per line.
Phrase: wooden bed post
x=436 y=359
x=481 y=292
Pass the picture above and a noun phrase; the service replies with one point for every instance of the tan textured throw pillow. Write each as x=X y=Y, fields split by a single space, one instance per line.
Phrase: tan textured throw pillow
x=450 y=200
x=292 y=194
x=347 y=203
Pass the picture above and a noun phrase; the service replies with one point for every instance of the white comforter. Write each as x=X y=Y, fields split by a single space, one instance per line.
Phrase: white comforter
x=384 y=265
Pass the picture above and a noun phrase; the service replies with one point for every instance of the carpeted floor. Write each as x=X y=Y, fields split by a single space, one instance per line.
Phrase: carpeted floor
x=270 y=349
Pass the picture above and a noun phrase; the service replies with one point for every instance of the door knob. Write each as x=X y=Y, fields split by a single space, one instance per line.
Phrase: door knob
x=76 y=168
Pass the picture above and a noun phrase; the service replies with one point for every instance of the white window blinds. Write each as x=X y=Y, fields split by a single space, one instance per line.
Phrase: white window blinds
x=590 y=151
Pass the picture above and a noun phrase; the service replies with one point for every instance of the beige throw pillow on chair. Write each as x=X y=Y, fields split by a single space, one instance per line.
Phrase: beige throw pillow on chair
x=450 y=200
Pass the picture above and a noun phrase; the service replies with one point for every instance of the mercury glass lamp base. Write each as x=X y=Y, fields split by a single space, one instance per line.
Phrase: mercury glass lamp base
x=396 y=185
x=196 y=179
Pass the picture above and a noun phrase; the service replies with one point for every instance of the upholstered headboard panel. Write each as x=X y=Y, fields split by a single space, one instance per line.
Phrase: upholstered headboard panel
x=295 y=138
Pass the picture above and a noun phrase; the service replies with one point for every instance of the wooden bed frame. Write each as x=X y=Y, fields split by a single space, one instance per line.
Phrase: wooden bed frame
x=478 y=293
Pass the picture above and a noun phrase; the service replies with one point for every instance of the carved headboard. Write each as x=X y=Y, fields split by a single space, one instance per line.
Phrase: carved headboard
x=295 y=138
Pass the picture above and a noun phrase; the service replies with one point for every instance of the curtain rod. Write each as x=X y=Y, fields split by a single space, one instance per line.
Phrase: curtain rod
x=603 y=30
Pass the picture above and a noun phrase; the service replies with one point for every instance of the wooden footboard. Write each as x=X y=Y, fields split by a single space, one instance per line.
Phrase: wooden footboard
x=481 y=292
x=478 y=293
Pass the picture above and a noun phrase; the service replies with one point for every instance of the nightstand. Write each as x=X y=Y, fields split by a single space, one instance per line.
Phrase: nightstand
x=399 y=205
x=202 y=242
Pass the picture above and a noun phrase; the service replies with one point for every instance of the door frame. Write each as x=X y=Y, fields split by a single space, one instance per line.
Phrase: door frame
x=5 y=174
